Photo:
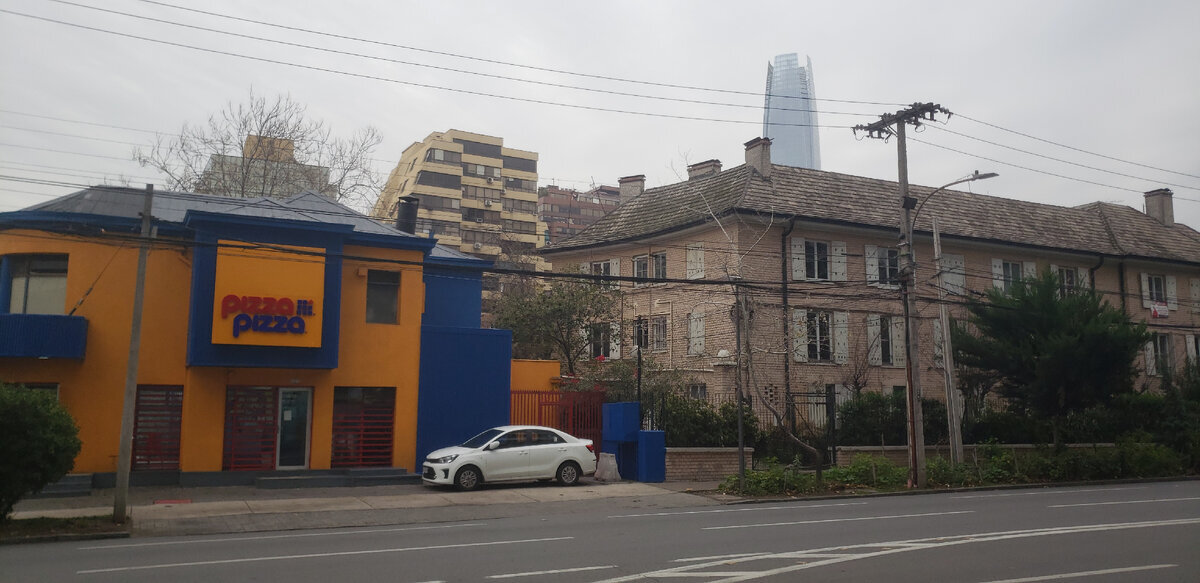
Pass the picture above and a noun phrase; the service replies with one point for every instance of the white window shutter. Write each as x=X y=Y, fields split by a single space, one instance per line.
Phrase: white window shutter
x=939 y=345
x=1190 y=341
x=585 y=267
x=614 y=267
x=695 y=261
x=898 y=341
x=1083 y=277
x=696 y=333
x=841 y=337
x=998 y=273
x=800 y=335
x=1029 y=269
x=837 y=268
x=1146 y=303
x=870 y=255
x=1172 y=296
x=1054 y=269
x=798 y=258
x=1151 y=366
x=614 y=340
x=1195 y=294
x=874 y=351
x=956 y=273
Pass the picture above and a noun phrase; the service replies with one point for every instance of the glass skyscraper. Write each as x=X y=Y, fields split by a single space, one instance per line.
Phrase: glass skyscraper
x=789 y=115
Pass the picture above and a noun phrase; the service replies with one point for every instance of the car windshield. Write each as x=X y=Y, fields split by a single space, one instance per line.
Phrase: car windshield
x=482 y=438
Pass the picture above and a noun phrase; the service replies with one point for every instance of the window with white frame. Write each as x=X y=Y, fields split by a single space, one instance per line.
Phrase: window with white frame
x=38 y=284
x=696 y=333
x=1012 y=274
x=1192 y=344
x=818 y=260
x=697 y=391
x=885 y=340
x=600 y=341
x=658 y=264
x=1158 y=354
x=1006 y=273
x=695 y=261
x=1156 y=288
x=1068 y=280
x=883 y=265
x=641 y=269
x=1159 y=290
x=601 y=268
x=820 y=336
x=658 y=333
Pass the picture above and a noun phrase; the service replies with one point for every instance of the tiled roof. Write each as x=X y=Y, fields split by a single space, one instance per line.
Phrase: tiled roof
x=867 y=202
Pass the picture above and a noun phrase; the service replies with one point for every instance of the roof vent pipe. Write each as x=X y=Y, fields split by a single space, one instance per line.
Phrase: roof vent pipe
x=406 y=214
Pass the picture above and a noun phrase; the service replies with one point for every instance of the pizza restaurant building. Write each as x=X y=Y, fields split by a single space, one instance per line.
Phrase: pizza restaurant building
x=276 y=334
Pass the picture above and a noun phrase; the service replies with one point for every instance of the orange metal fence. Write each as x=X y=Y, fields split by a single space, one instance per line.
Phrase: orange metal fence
x=577 y=413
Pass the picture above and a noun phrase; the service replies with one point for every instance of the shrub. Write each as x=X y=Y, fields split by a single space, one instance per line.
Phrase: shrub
x=878 y=419
x=869 y=470
x=776 y=479
x=695 y=423
x=38 y=443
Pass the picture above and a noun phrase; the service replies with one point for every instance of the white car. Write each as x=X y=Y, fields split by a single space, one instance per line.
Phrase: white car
x=511 y=453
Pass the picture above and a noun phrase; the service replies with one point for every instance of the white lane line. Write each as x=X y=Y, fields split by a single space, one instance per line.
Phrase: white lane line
x=319 y=555
x=551 y=572
x=837 y=520
x=1046 y=492
x=1125 y=502
x=718 y=557
x=273 y=536
x=749 y=509
x=1082 y=574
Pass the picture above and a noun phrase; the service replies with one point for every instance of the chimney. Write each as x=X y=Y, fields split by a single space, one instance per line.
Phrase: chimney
x=758 y=155
x=406 y=214
x=705 y=168
x=1160 y=205
x=631 y=186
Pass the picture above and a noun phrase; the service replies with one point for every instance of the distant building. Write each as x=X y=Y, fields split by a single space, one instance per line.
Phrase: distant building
x=566 y=211
x=268 y=168
x=789 y=116
x=476 y=196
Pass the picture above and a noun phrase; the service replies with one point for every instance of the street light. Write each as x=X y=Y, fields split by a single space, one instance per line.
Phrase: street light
x=916 y=434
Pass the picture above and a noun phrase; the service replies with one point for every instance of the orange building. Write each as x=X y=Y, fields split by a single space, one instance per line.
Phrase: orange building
x=276 y=335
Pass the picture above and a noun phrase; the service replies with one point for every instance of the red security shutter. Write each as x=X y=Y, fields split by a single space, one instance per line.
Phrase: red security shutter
x=363 y=419
x=250 y=428
x=157 y=415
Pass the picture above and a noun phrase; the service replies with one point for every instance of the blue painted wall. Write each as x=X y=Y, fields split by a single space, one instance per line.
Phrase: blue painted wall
x=465 y=385
x=42 y=336
x=453 y=297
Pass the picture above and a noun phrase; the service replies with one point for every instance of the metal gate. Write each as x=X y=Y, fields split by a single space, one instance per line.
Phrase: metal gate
x=576 y=412
x=362 y=427
x=157 y=415
x=250 y=428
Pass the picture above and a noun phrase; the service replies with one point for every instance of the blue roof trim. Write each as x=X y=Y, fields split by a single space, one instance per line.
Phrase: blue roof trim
x=392 y=241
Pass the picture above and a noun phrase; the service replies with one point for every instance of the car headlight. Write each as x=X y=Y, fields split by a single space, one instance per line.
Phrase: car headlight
x=445 y=459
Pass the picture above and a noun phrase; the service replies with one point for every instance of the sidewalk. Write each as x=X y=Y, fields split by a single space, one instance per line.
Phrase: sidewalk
x=159 y=511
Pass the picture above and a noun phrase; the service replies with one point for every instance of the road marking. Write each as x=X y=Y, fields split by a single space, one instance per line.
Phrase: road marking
x=838 y=520
x=1124 y=502
x=551 y=572
x=1046 y=492
x=719 y=557
x=273 y=536
x=319 y=555
x=751 y=509
x=1082 y=574
x=889 y=548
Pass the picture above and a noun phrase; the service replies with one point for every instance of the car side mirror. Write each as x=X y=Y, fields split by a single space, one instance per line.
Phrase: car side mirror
x=492 y=445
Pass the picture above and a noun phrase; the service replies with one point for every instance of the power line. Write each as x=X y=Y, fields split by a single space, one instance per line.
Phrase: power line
x=57 y=151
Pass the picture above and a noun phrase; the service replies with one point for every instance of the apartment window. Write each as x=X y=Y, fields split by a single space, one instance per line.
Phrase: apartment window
x=641 y=269
x=481 y=216
x=481 y=237
x=443 y=156
x=383 y=296
x=697 y=391
x=520 y=184
x=658 y=333
x=816 y=260
x=1010 y=273
x=885 y=340
x=481 y=193
x=659 y=262
x=641 y=333
x=696 y=333
x=887 y=261
x=520 y=206
x=522 y=164
x=481 y=171
x=1158 y=353
x=519 y=227
x=435 y=227
x=600 y=340
x=820 y=339
x=437 y=203
x=1156 y=288
x=1067 y=280
x=695 y=261
x=38 y=284
x=439 y=180
x=490 y=283
x=601 y=268
x=478 y=149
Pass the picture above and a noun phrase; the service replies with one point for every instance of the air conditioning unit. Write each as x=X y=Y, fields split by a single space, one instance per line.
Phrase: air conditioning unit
x=478 y=246
x=491 y=180
x=487 y=203
x=478 y=220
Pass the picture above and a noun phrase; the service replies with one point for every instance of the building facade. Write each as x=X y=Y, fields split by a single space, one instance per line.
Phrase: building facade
x=266 y=168
x=278 y=334
x=566 y=212
x=814 y=257
x=789 y=116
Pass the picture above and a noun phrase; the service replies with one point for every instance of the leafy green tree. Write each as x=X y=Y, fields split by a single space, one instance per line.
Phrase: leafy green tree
x=38 y=443
x=555 y=320
x=1050 y=352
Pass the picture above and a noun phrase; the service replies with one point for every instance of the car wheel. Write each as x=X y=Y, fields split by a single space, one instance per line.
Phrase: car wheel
x=568 y=474
x=468 y=478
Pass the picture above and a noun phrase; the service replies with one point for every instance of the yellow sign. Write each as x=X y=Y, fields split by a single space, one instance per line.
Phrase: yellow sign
x=268 y=296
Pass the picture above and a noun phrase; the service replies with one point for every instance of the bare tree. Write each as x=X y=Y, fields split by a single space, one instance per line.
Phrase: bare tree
x=266 y=147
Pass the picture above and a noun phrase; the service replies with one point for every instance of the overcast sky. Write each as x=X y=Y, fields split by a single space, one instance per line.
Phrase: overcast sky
x=1119 y=79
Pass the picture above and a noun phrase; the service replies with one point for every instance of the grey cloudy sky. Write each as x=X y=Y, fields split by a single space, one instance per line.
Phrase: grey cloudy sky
x=1113 y=78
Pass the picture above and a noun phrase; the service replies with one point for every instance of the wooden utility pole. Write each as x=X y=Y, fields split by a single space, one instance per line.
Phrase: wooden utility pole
x=125 y=449
x=887 y=126
x=953 y=404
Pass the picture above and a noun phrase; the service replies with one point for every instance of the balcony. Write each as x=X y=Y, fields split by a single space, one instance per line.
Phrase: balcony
x=42 y=336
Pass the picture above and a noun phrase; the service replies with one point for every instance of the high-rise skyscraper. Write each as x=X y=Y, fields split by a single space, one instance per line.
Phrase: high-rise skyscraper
x=789 y=115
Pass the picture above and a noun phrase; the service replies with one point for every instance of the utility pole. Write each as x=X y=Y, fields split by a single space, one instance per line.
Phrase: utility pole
x=953 y=410
x=887 y=126
x=741 y=398
x=638 y=329
x=125 y=449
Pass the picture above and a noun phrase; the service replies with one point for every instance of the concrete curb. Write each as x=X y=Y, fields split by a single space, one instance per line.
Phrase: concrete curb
x=56 y=538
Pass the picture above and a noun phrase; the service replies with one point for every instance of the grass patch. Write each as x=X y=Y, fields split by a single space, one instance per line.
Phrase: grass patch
x=18 y=529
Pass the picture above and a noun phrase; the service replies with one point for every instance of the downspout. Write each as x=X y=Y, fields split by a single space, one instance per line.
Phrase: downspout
x=1121 y=285
x=787 y=326
x=1092 y=272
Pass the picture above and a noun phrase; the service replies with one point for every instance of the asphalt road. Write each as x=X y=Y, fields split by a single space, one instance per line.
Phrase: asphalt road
x=1135 y=532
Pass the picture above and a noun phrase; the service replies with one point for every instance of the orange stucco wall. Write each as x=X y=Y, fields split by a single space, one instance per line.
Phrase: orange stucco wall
x=370 y=355
x=534 y=375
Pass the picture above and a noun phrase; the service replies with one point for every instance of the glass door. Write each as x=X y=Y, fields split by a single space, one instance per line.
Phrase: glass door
x=294 y=422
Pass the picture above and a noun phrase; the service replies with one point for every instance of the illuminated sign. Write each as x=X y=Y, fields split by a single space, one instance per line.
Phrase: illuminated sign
x=268 y=297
